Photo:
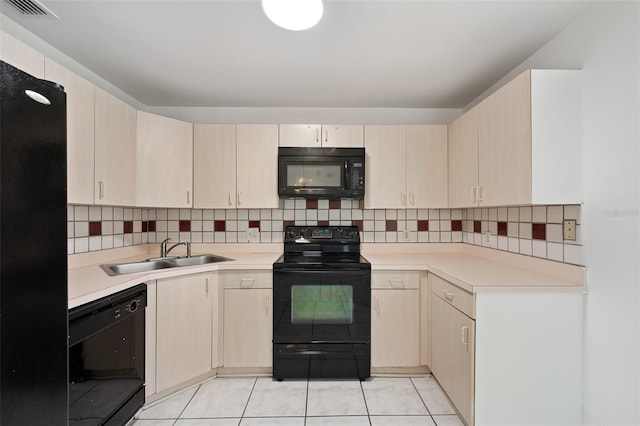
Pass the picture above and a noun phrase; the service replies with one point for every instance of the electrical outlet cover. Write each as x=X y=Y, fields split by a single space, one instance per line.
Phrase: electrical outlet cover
x=569 y=229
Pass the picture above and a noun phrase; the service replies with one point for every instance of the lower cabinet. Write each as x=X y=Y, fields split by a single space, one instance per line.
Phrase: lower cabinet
x=248 y=319
x=183 y=328
x=395 y=319
x=452 y=357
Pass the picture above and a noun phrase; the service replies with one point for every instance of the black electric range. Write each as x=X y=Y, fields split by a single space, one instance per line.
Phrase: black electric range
x=322 y=305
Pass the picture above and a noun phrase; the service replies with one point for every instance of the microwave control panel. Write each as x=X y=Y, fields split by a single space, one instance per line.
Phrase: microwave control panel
x=357 y=176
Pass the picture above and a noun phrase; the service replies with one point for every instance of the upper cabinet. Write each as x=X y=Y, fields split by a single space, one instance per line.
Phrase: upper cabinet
x=214 y=166
x=236 y=166
x=463 y=160
x=528 y=143
x=406 y=166
x=115 y=151
x=257 y=166
x=327 y=135
x=80 y=132
x=18 y=54
x=164 y=166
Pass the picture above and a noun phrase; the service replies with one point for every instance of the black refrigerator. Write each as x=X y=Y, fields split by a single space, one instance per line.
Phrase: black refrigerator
x=33 y=251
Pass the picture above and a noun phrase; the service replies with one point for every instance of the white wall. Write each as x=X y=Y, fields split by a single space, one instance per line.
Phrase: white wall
x=605 y=43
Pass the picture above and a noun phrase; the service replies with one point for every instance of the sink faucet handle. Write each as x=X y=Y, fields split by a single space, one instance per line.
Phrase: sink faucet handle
x=188 y=249
x=163 y=247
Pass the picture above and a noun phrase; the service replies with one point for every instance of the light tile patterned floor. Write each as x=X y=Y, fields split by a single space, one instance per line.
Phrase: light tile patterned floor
x=262 y=401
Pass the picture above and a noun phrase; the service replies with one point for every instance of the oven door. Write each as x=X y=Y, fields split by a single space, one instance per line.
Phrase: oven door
x=321 y=306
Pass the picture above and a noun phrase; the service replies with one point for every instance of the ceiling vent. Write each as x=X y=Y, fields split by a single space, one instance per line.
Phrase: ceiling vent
x=31 y=8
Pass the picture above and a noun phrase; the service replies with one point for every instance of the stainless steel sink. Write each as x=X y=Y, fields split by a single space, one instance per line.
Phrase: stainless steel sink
x=202 y=259
x=154 y=264
x=135 y=267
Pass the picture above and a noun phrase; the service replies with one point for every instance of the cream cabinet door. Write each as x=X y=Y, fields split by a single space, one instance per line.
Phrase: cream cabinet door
x=504 y=141
x=183 y=328
x=115 y=151
x=248 y=327
x=164 y=161
x=257 y=166
x=300 y=135
x=463 y=160
x=427 y=167
x=452 y=356
x=386 y=167
x=80 y=132
x=21 y=56
x=342 y=136
x=395 y=329
x=214 y=166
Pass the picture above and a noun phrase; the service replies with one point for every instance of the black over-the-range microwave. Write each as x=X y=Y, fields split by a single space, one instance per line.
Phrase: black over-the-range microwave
x=321 y=172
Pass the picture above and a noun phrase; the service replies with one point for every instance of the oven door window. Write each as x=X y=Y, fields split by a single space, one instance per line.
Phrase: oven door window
x=314 y=175
x=321 y=304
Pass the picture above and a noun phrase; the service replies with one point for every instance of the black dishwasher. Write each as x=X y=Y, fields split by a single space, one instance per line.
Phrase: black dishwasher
x=106 y=358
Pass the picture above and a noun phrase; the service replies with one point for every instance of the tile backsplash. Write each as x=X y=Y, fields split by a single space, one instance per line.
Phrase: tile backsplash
x=532 y=231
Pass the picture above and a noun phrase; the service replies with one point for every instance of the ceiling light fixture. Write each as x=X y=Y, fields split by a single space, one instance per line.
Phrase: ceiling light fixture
x=294 y=15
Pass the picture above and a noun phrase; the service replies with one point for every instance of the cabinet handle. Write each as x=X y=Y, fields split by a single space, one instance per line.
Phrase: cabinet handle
x=376 y=305
x=230 y=199
x=412 y=199
x=480 y=193
x=396 y=283
x=317 y=135
x=266 y=305
x=464 y=338
x=101 y=190
x=188 y=198
x=249 y=282
x=207 y=286
x=403 y=199
x=239 y=198
x=326 y=134
x=474 y=194
x=447 y=295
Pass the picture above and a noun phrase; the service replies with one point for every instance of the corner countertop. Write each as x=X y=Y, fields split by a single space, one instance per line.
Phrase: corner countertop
x=474 y=269
x=88 y=282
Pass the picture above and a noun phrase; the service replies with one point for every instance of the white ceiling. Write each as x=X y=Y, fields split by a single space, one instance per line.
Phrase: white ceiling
x=363 y=53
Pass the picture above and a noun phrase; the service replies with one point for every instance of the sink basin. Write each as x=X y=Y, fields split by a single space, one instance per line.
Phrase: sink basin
x=134 y=267
x=154 y=264
x=202 y=259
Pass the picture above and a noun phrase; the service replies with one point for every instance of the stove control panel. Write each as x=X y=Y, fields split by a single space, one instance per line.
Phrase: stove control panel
x=307 y=234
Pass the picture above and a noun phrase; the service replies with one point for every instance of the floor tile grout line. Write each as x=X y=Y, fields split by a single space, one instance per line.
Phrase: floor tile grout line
x=366 y=406
x=306 y=404
x=187 y=404
x=421 y=398
x=255 y=381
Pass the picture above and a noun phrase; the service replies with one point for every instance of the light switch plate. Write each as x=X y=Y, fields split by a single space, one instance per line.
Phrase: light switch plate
x=253 y=235
x=569 y=229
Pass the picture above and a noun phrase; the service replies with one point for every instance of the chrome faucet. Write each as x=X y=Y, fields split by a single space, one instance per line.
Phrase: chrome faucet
x=164 y=251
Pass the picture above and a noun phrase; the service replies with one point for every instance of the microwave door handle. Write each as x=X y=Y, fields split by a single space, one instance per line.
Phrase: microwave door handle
x=346 y=175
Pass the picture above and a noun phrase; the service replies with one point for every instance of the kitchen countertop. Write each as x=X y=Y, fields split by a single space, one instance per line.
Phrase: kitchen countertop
x=472 y=268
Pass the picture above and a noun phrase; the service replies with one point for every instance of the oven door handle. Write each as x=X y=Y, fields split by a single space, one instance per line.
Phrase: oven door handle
x=305 y=351
x=297 y=270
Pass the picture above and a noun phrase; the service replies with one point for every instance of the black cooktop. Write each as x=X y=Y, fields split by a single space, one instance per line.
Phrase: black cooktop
x=322 y=247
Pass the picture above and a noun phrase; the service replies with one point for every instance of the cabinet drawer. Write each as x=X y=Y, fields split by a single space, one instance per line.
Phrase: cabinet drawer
x=248 y=279
x=397 y=280
x=453 y=295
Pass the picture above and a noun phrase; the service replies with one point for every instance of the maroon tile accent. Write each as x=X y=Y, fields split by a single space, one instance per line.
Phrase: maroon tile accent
x=254 y=224
x=477 y=226
x=312 y=204
x=219 y=225
x=128 y=227
x=392 y=225
x=323 y=223
x=539 y=231
x=502 y=228
x=95 y=228
x=185 y=226
x=334 y=204
x=456 y=225
x=152 y=226
x=145 y=226
x=423 y=225
x=357 y=223
x=286 y=223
